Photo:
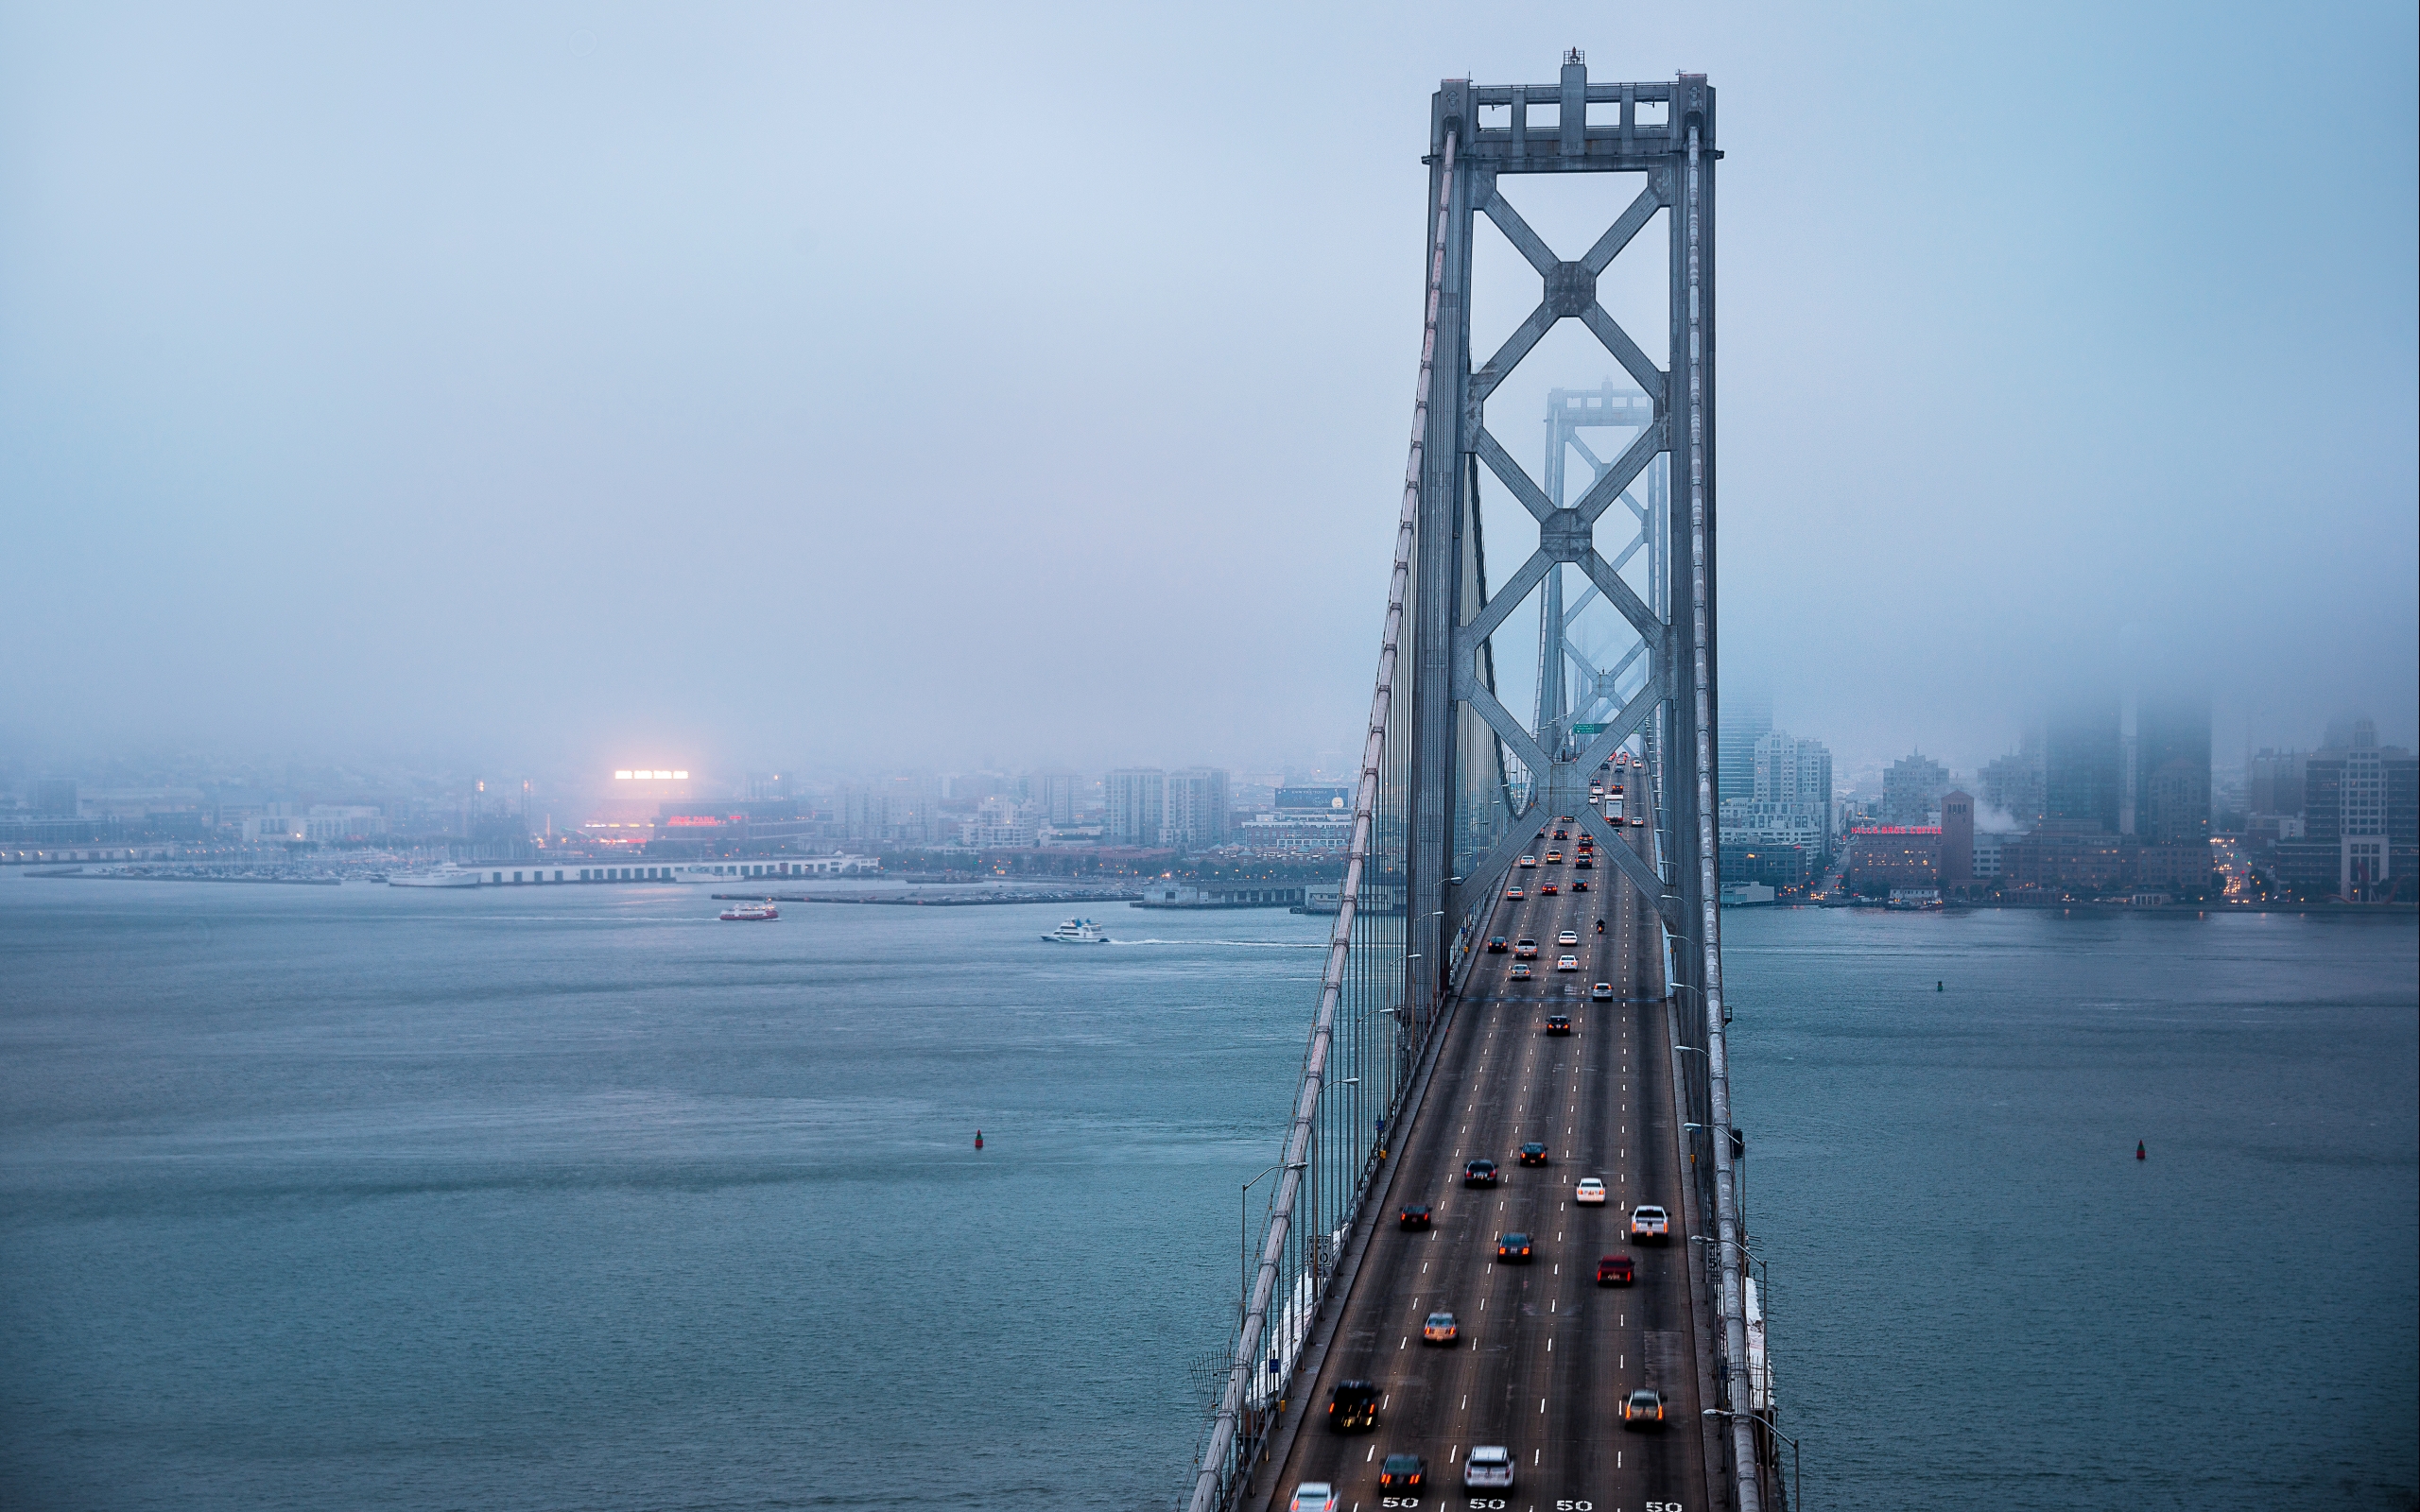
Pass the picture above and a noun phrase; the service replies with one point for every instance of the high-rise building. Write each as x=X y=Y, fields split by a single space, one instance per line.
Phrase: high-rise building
x=1957 y=840
x=2083 y=765
x=2172 y=767
x=1745 y=718
x=1197 y=809
x=2013 y=784
x=1911 y=790
x=1139 y=799
x=1054 y=795
x=1793 y=771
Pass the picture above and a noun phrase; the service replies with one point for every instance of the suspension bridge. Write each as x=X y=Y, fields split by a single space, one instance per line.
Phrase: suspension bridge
x=1589 y=829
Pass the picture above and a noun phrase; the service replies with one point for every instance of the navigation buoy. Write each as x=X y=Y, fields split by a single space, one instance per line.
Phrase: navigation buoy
x=979 y=1138
x=1938 y=987
x=2139 y=1153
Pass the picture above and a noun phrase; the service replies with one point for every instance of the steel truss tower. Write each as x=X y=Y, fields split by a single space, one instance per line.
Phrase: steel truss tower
x=1461 y=838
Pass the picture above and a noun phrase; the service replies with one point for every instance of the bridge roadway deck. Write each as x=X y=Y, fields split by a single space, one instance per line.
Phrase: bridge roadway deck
x=1545 y=1354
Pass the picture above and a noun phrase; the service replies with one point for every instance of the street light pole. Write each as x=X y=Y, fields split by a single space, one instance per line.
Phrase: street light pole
x=1797 y=1501
x=1243 y=1237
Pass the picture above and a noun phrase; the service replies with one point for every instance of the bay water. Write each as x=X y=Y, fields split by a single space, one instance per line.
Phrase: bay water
x=580 y=1198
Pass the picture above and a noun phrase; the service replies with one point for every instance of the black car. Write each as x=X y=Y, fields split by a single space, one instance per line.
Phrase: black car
x=1581 y=885
x=1496 y=945
x=1352 y=1406
x=1533 y=1153
x=1512 y=1248
x=1585 y=863
x=1558 y=1024
x=1403 y=1472
x=1415 y=1216
x=1480 y=1173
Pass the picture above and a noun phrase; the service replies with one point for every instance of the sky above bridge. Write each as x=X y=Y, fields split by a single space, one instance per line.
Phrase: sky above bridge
x=948 y=385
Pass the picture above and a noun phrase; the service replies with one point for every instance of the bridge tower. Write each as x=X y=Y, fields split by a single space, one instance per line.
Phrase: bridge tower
x=1439 y=815
x=1463 y=834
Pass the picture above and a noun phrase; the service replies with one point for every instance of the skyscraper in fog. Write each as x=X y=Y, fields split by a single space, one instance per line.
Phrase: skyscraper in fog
x=2172 y=767
x=1745 y=719
x=1138 y=806
x=1196 y=808
x=2083 y=765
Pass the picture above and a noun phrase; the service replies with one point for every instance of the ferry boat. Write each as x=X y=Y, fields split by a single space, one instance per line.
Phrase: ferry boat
x=441 y=877
x=753 y=911
x=1077 y=931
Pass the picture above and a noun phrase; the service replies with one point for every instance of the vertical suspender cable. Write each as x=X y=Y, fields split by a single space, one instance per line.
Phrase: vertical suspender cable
x=1727 y=1239
x=1213 y=1482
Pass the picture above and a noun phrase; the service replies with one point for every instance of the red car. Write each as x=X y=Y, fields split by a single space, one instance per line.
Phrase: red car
x=1615 y=1270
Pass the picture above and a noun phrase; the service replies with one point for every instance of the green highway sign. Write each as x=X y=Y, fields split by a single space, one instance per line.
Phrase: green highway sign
x=1587 y=730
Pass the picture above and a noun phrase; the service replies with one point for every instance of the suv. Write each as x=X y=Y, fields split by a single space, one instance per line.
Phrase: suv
x=1650 y=1222
x=1525 y=949
x=1352 y=1406
x=1490 y=1466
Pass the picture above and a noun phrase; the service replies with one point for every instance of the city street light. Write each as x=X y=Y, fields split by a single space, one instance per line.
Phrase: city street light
x=1243 y=1236
x=1796 y=1500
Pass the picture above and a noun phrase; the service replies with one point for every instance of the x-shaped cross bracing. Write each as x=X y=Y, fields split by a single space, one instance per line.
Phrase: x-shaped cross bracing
x=1568 y=534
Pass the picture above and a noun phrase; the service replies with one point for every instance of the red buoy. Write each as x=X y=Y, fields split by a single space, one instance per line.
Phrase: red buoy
x=2139 y=1150
x=979 y=1138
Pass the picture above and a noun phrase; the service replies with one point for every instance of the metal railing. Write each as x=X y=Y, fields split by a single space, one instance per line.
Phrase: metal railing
x=1364 y=1037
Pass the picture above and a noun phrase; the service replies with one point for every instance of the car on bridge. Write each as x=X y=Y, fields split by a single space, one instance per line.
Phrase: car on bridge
x=1439 y=1328
x=1639 y=819
x=1602 y=992
x=1527 y=861
x=1585 y=863
x=1520 y=972
x=1352 y=1406
x=1496 y=945
x=1313 y=1496
x=1647 y=1221
x=1550 y=890
x=1489 y=1467
x=1643 y=1408
x=1512 y=1248
x=1558 y=1024
x=1533 y=1152
x=1616 y=1270
x=1403 y=1472
x=1525 y=949
x=1512 y=895
x=1554 y=858
x=1480 y=1174
x=1581 y=885
x=1415 y=1217
x=1566 y=963
x=1569 y=936
x=1590 y=1192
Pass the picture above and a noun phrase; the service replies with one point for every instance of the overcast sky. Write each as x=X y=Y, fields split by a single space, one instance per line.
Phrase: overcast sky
x=723 y=386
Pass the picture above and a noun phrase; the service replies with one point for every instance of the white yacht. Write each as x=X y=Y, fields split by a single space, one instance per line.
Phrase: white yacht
x=1077 y=931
